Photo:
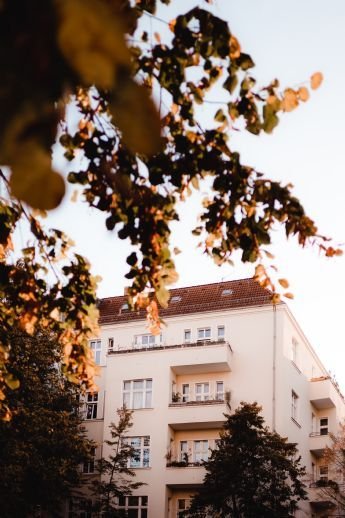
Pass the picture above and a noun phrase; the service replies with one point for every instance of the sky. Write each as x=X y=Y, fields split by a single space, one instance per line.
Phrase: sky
x=290 y=41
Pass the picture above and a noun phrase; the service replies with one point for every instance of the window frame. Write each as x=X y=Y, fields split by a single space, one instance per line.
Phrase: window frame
x=221 y=337
x=294 y=405
x=185 y=396
x=203 y=453
x=131 y=392
x=91 y=406
x=96 y=348
x=218 y=392
x=90 y=465
x=181 y=510
x=144 y=450
x=206 y=330
x=142 y=506
x=187 y=340
x=323 y=428
x=203 y=395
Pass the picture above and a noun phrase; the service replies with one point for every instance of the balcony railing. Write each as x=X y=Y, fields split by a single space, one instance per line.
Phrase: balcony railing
x=136 y=347
x=178 y=400
x=183 y=464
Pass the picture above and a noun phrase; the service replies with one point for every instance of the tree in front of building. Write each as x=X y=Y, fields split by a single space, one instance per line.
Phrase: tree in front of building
x=116 y=476
x=333 y=465
x=44 y=444
x=253 y=472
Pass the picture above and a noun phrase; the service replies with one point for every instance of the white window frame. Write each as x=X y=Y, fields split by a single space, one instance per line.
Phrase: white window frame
x=147 y=341
x=294 y=405
x=96 y=347
x=323 y=428
x=200 y=450
x=185 y=392
x=187 y=336
x=221 y=332
x=204 y=334
x=111 y=344
x=141 y=506
x=141 y=447
x=91 y=406
x=203 y=394
x=220 y=394
x=323 y=472
x=130 y=394
x=89 y=466
x=183 y=452
x=182 y=505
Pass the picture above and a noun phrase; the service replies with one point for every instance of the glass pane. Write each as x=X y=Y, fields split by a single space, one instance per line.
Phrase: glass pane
x=324 y=422
x=122 y=501
x=185 y=389
x=126 y=399
x=144 y=501
x=143 y=513
x=206 y=387
x=135 y=442
x=147 y=441
x=144 y=339
x=138 y=384
x=207 y=332
x=137 y=400
x=148 y=400
x=198 y=388
x=146 y=459
x=133 y=513
x=187 y=335
x=152 y=339
x=148 y=383
x=221 y=332
x=133 y=501
x=126 y=385
x=200 y=333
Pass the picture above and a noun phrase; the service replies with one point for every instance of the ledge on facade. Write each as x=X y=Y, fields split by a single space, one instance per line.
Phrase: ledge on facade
x=200 y=343
x=325 y=483
x=183 y=464
x=197 y=403
x=318 y=434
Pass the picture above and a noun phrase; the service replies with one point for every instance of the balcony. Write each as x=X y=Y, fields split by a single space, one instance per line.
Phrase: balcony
x=202 y=357
x=188 y=476
x=197 y=415
x=324 y=393
x=318 y=442
x=319 y=494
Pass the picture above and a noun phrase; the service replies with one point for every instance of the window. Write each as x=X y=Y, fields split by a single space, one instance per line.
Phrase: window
x=226 y=292
x=202 y=391
x=324 y=426
x=294 y=405
x=184 y=457
x=135 y=506
x=176 y=298
x=96 y=347
x=204 y=333
x=141 y=451
x=137 y=393
x=91 y=405
x=89 y=465
x=125 y=306
x=185 y=393
x=147 y=340
x=110 y=344
x=221 y=332
x=201 y=451
x=323 y=472
x=294 y=351
x=182 y=505
x=79 y=508
x=187 y=335
x=220 y=390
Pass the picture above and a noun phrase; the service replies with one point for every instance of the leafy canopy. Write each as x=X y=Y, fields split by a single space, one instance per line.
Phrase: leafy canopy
x=43 y=445
x=253 y=472
x=141 y=146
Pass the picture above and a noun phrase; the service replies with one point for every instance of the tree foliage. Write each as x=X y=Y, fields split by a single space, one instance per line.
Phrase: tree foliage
x=334 y=457
x=42 y=447
x=115 y=475
x=253 y=472
x=142 y=145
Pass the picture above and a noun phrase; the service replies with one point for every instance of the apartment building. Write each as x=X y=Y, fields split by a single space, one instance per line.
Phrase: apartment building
x=223 y=343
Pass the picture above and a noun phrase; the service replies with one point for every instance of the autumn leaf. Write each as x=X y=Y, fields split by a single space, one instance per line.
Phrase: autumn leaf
x=316 y=80
x=136 y=115
x=303 y=94
x=290 y=100
x=235 y=48
x=289 y=295
x=284 y=283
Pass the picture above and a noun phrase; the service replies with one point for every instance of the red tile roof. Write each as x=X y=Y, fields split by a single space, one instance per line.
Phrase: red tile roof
x=193 y=299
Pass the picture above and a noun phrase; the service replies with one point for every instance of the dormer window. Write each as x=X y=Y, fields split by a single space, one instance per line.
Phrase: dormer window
x=226 y=292
x=175 y=298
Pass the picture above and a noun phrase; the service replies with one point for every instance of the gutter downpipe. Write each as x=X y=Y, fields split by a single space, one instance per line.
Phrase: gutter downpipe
x=274 y=368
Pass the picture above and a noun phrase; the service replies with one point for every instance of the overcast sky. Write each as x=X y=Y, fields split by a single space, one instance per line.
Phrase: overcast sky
x=289 y=40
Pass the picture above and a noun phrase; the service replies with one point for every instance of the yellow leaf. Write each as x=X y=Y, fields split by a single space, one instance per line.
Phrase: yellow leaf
x=157 y=37
x=303 y=93
x=172 y=24
x=163 y=296
x=136 y=115
x=288 y=295
x=11 y=381
x=290 y=100
x=316 y=80
x=32 y=179
x=284 y=283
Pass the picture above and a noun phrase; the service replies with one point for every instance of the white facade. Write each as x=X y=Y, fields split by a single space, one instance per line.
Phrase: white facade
x=180 y=382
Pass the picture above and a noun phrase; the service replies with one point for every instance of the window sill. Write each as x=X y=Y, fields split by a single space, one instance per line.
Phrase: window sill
x=136 y=409
x=296 y=422
x=141 y=468
x=296 y=367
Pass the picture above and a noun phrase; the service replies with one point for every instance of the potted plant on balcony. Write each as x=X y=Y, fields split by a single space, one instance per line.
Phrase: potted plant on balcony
x=176 y=397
